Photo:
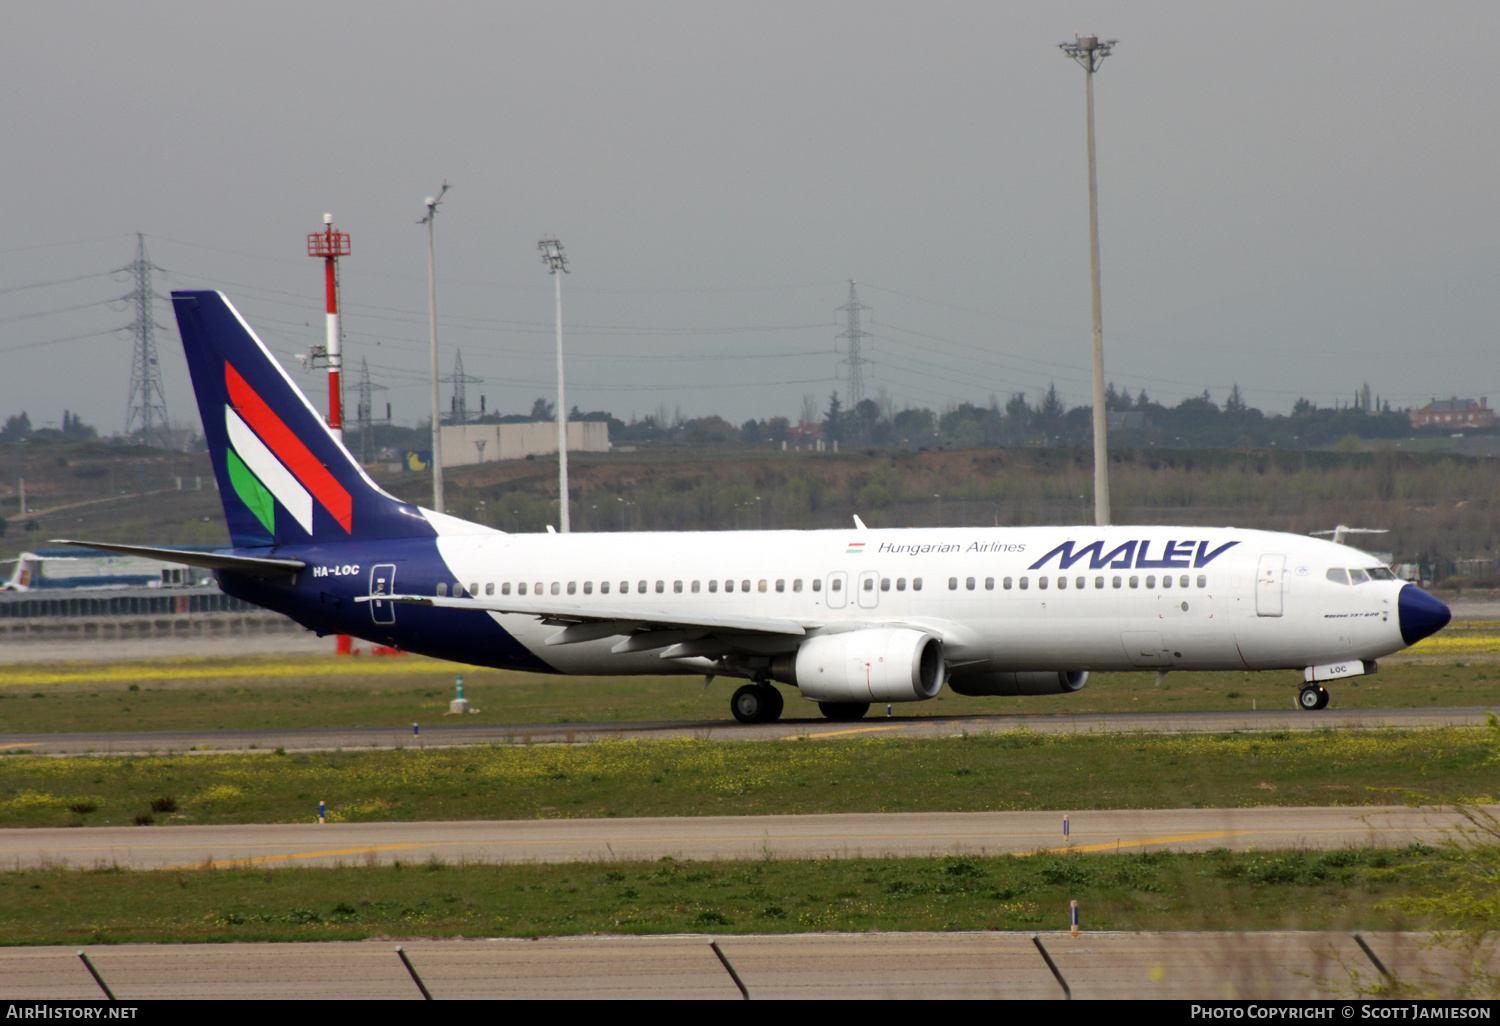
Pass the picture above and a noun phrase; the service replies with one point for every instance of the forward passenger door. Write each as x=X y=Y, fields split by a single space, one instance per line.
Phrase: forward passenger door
x=1268 y=584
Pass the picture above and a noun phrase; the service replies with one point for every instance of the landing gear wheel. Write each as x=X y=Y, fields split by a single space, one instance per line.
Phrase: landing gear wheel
x=844 y=711
x=1312 y=698
x=774 y=703
x=750 y=704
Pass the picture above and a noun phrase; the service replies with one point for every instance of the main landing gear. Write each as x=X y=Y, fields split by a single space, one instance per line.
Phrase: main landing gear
x=1312 y=697
x=844 y=711
x=756 y=703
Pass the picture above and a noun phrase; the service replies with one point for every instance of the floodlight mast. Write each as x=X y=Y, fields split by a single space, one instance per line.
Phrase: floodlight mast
x=1089 y=52
x=557 y=266
x=437 y=409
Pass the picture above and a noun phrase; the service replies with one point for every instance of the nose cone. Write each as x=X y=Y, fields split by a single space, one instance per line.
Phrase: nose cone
x=1420 y=614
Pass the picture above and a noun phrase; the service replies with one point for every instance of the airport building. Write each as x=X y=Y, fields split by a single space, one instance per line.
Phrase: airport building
x=83 y=594
x=467 y=444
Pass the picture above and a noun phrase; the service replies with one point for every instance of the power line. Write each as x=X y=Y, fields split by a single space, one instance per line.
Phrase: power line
x=55 y=281
x=56 y=341
x=58 y=245
x=59 y=310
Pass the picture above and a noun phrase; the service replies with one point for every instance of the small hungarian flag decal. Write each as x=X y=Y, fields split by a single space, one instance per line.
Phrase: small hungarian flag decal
x=855 y=548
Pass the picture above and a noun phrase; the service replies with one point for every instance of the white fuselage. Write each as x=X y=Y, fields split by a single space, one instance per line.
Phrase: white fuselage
x=1030 y=598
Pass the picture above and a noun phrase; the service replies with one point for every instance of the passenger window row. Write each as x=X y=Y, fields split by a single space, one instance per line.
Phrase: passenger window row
x=1080 y=583
x=969 y=584
x=641 y=587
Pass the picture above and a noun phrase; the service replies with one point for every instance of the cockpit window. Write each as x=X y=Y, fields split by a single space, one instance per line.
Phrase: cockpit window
x=1380 y=573
x=1338 y=575
x=1358 y=577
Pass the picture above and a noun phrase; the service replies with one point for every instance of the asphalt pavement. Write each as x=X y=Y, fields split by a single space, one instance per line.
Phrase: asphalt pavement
x=1101 y=966
x=847 y=835
x=465 y=731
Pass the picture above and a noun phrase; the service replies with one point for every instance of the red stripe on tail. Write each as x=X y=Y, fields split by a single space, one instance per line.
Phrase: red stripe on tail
x=289 y=448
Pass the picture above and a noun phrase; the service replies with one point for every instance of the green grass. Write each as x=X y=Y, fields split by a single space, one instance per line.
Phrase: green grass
x=1367 y=889
x=687 y=777
x=274 y=692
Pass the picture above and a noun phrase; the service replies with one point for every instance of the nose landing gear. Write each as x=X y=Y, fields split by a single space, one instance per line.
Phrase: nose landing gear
x=756 y=703
x=1312 y=697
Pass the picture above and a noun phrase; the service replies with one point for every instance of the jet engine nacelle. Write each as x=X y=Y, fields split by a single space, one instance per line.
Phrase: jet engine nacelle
x=1063 y=682
x=886 y=664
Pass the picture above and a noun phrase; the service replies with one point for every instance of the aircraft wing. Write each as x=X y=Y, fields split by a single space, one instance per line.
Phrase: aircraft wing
x=254 y=566
x=645 y=629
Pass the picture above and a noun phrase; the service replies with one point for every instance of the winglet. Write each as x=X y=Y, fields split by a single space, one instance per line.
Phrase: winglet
x=859 y=524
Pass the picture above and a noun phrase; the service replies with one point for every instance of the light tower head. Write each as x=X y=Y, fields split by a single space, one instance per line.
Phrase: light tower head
x=1088 y=51
x=432 y=202
x=328 y=244
x=553 y=257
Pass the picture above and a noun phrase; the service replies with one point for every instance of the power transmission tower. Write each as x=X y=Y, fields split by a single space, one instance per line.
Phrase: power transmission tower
x=146 y=409
x=853 y=338
x=364 y=410
x=459 y=413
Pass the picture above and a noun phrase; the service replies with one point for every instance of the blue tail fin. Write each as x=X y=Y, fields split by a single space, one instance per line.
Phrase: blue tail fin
x=283 y=477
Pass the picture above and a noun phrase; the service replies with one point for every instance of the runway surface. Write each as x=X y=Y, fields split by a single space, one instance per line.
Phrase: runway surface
x=849 y=966
x=468 y=732
x=873 y=835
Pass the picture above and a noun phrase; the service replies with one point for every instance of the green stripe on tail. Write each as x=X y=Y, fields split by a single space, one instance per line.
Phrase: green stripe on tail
x=251 y=492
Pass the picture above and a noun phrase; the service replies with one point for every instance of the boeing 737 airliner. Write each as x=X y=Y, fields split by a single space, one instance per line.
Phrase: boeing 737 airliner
x=846 y=618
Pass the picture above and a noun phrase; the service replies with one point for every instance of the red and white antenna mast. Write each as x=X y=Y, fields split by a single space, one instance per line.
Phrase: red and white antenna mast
x=330 y=245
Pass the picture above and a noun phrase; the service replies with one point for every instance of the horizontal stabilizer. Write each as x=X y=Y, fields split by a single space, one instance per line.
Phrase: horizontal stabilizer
x=254 y=566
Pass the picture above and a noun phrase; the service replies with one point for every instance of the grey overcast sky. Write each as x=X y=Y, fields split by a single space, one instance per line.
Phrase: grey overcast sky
x=1295 y=196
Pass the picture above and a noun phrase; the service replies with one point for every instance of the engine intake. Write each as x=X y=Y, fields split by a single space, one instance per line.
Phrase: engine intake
x=887 y=664
x=1063 y=682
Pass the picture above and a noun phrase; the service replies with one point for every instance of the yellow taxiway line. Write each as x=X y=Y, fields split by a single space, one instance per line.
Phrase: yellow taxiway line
x=841 y=733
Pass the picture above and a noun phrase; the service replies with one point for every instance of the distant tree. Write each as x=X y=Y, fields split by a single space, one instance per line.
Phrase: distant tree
x=1302 y=407
x=16 y=429
x=751 y=431
x=833 y=420
x=543 y=410
x=1114 y=400
x=1142 y=400
x=862 y=422
x=777 y=428
x=1236 y=402
x=1049 y=415
x=712 y=428
x=1196 y=413
x=74 y=427
x=1052 y=406
x=916 y=425
x=1018 y=415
